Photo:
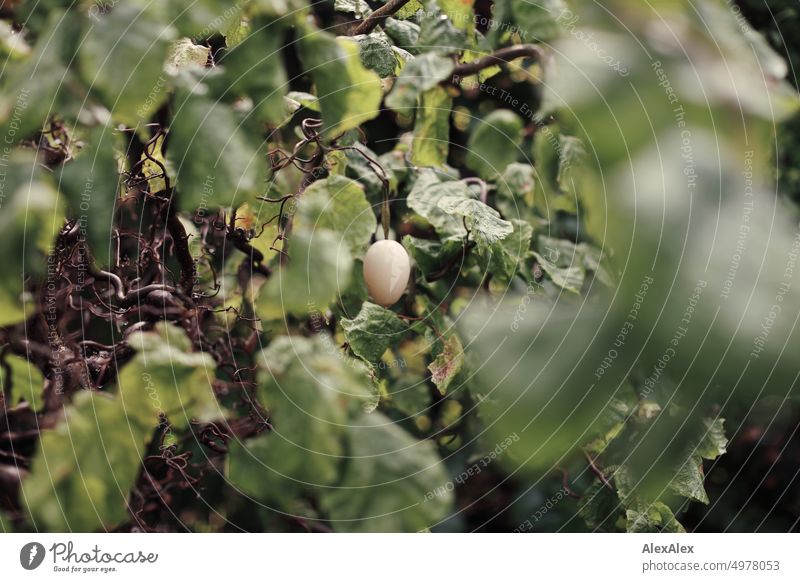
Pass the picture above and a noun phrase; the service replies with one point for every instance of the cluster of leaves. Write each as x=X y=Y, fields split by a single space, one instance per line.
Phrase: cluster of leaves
x=188 y=341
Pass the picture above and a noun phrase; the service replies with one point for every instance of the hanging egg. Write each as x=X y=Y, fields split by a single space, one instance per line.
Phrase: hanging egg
x=386 y=271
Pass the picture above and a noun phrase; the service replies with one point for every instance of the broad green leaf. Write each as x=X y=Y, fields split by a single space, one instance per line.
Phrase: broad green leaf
x=31 y=89
x=460 y=13
x=447 y=363
x=348 y=93
x=714 y=443
x=254 y=68
x=652 y=518
x=91 y=184
x=311 y=390
x=418 y=76
x=374 y=330
x=424 y=199
x=292 y=9
x=200 y=18
x=12 y=43
x=439 y=34
x=511 y=252
x=377 y=55
x=539 y=20
x=484 y=222
x=431 y=255
x=184 y=53
x=688 y=481
x=516 y=187
x=215 y=161
x=358 y=8
x=571 y=153
x=599 y=507
x=522 y=347
x=30 y=218
x=166 y=377
x=614 y=416
x=361 y=169
x=339 y=204
x=386 y=481
x=409 y=9
x=25 y=381
x=432 y=128
x=494 y=143
x=569 y=278
x=405 y=33
x=84 y=468
x=318 y=269
x=122 y=58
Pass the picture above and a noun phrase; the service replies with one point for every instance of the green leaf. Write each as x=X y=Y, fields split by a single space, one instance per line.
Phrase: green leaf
x=484 y=222
x=311 y=390
x=32 y=89
x=373 y=331
x=409 y=9
x=611 y=423
x=296 y=9
x=571 y=154
x=30 y=218
x=460 y=12
x=652 y=518
x=198 y=18
x=516 y=187
x=340 y=205
x=404 y=33
x=494 y=143
x=359 y=8
x=418 y=76
x=185 y=54
x=166 y=377
x=377 y=55
x=84 y=468
x=91 y=184
x=12 y=43
x=599 y=507
x=568 y=278
x=538 y=20
x=318 y=268
x=714 y=443
x=349 y=94
x=122 y=58
x=386 y=481
x=688 y=481
x=511 y=252
x=424 y=199
x=429 y=255
x=215 y=161
x=438 y=33
x=254 y=68
x=447 y=364
x=432 y=128
x=23 y=381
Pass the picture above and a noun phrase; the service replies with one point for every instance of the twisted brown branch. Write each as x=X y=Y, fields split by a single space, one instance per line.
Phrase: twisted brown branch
x=499 y=57
x=378 y=17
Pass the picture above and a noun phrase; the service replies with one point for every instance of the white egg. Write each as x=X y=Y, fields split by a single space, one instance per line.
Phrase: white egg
x=386 y=271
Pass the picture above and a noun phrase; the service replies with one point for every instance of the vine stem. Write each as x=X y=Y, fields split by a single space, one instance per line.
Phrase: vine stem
x=378 y=16
x=597 y=471
x=499 y=57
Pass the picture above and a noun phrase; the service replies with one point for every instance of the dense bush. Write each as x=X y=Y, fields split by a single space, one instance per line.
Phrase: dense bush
x=188 y=191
